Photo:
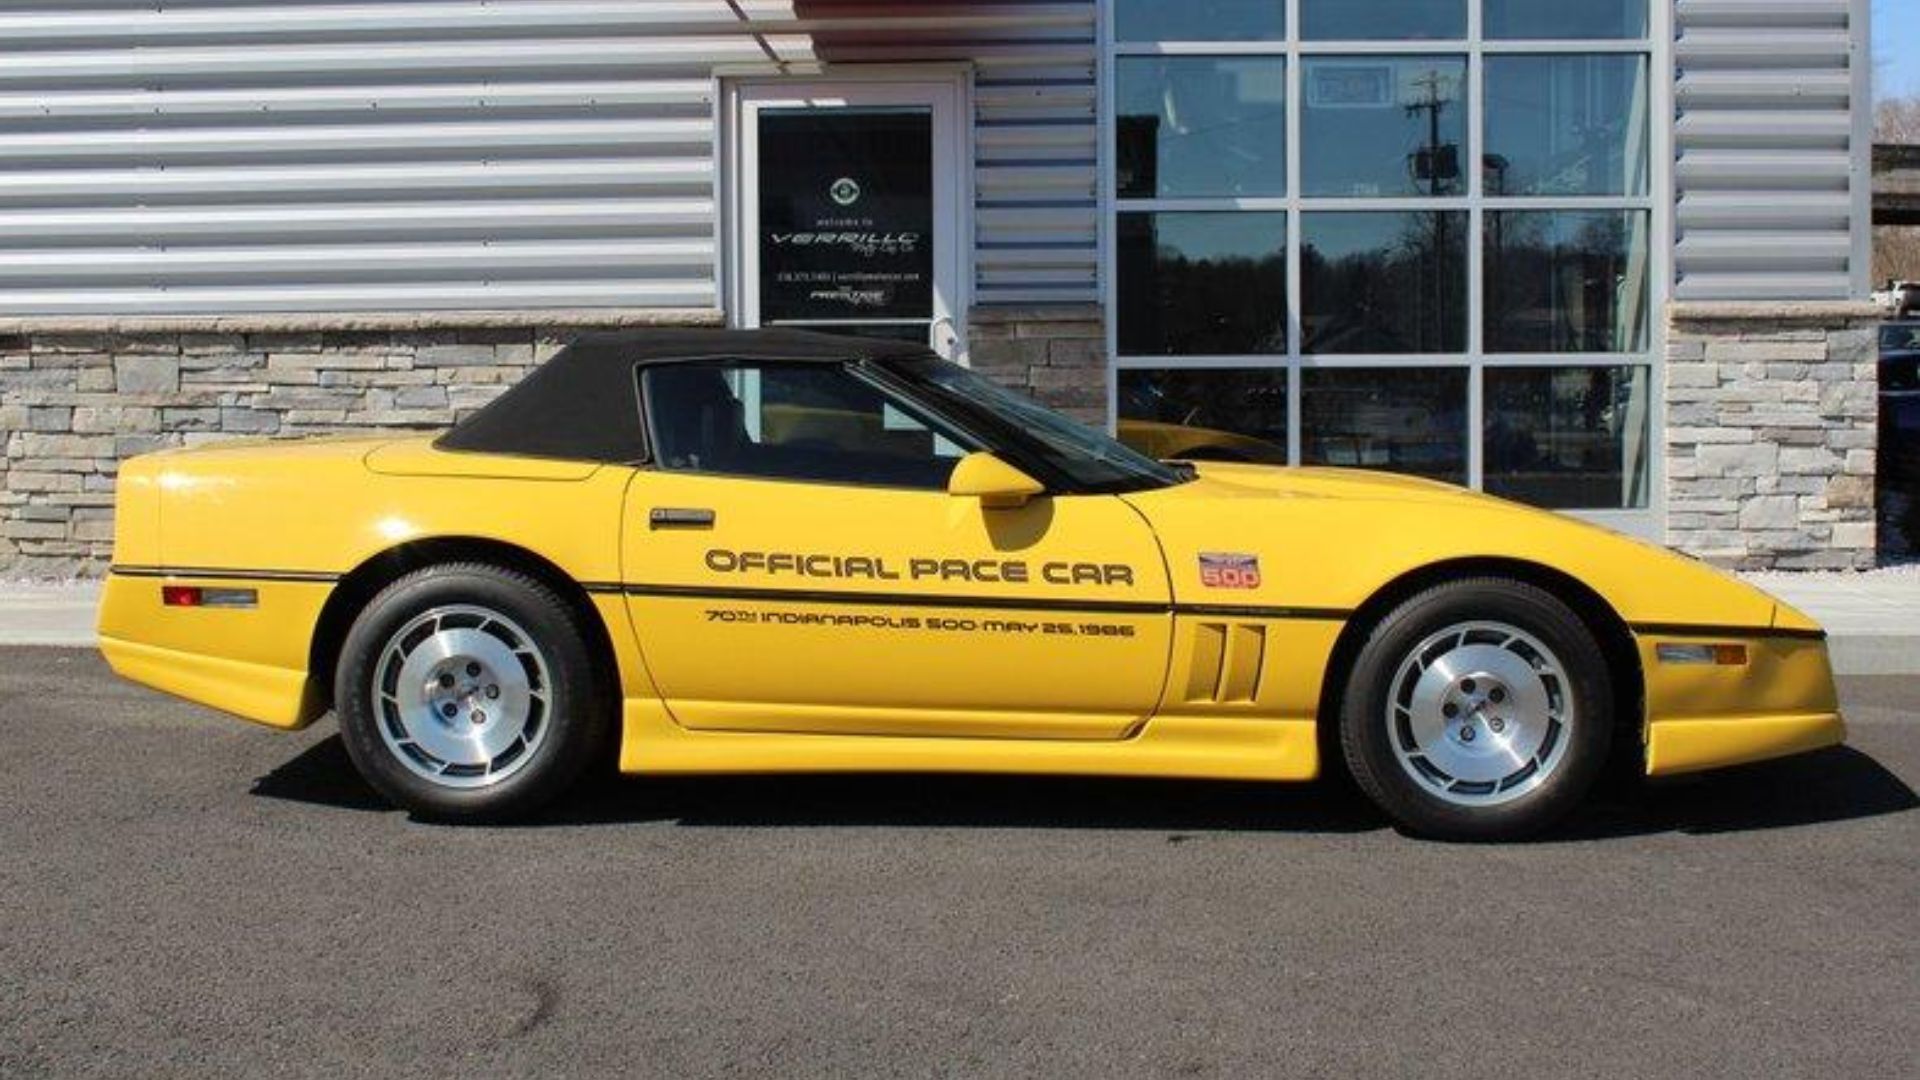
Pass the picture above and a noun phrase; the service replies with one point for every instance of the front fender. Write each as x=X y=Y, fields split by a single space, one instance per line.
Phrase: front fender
x=1332 y=543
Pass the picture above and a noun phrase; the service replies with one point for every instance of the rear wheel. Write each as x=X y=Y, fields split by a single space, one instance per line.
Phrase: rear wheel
x=1478 y=710
x=468 y=692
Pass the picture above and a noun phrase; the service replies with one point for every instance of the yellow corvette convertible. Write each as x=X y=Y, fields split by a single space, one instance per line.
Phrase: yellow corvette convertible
x=713 y=552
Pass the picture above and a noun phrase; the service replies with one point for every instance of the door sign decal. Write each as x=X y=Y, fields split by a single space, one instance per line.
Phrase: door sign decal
x=846 y=214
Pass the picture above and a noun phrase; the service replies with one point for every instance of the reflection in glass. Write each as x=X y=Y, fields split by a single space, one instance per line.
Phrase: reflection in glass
x=1566 y=125
x=1567 y=438
x=1384 y=282
x=1380 y=125
x=1382 y=20
x=1585 y=20
x=1566 y=281
x=1201 y=283
x=1409 y=420
x=1197 y=126
x=1205 y=414
x=1215 y=20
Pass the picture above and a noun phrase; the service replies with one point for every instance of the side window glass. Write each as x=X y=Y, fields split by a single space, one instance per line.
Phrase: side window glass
x=814 y=422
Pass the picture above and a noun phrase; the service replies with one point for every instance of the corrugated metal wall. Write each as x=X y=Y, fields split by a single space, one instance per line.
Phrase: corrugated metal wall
x=207 y=156
x=1769 y=173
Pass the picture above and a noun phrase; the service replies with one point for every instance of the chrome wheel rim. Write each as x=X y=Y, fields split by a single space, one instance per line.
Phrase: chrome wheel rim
x=1480 y=713
x=462 y=696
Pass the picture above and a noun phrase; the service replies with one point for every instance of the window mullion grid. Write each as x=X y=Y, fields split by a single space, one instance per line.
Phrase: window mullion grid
x=1286 y=203
x=1476 y=95
x=1173 y=361
x=1106 y=77
x=1296 y=82
x=1262 y=47
x=1564 y=45
x=1484 y=205
x=1476 y=204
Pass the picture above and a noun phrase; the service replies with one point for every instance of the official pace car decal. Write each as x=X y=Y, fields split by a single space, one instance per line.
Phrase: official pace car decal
x=1220 y=570
x=777 y=564
x=1067 y=622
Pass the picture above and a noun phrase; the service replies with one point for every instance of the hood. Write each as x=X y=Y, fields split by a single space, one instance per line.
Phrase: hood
x=1329 y=539
x=1326 y=482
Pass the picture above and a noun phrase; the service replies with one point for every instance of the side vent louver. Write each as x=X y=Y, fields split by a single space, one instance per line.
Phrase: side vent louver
x=1227 y=662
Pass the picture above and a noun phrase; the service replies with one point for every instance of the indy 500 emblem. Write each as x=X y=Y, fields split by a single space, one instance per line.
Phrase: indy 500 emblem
x=1229 y=571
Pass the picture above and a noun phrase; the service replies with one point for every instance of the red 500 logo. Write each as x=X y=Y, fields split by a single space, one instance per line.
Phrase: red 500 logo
x=1226 y=571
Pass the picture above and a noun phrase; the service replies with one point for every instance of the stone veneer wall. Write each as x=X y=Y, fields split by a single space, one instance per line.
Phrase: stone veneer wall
x=74 y=401
x=1056 y=354
x=1771 y=412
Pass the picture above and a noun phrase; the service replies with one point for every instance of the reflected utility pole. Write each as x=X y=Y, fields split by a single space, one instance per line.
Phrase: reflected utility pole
x=1436 y=165
x=1431 y=104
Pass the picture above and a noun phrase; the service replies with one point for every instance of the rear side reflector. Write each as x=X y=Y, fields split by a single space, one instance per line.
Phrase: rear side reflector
x=1720 y=655
x=201 y=596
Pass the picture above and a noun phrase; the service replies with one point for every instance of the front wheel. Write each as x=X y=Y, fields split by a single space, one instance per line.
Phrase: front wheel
x=467 y=692
x=1478 y=710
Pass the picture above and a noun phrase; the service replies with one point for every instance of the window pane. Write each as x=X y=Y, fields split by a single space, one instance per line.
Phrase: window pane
x=1215 y=20
x=1566 y=281
x=1568 y=438
x=1566 y=125
x=1211 y=282
x=1378 y=125
x=792 y=422
x=1559 y=19
x=1196 y=126
x=1410 y=420
x=1380 y=20
x=1206 y=414
x=1384 y=283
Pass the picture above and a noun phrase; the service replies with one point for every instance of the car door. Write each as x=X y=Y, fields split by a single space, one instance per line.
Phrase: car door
x=793 y=562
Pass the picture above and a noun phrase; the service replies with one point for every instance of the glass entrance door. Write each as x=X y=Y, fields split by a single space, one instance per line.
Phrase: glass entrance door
x=847 y=210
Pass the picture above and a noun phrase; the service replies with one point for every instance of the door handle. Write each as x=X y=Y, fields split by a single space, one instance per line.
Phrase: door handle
x=679 y=517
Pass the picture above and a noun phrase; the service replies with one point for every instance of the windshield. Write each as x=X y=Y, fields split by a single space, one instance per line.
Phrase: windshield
x=1064 y=454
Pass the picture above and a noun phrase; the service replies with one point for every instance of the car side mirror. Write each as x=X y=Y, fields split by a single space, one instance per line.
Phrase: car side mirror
x=998 y=485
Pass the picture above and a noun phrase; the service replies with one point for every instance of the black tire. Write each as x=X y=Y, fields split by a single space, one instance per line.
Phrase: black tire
x=1389 y=694
x=565 y=725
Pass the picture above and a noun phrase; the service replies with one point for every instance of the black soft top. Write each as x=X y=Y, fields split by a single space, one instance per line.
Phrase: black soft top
x=583 y=404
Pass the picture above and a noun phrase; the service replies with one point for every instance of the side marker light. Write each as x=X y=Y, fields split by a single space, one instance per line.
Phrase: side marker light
x=201 y=596
x=1716 y=655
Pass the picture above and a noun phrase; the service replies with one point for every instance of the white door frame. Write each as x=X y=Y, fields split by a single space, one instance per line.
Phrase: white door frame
x=947 y=91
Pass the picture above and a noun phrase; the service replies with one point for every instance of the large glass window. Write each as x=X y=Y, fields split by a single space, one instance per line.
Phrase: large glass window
x=1205 y=414
x=1566 y=281
x=1384 y=125
x=1409 y=420
x=1214 y=20
x=1200 y=125
x=1571 y=438
x=1376 y=20
x=1418 y=235
x=1383 y=282
x=1509 y=19
x=1202 y=283
x=1566 y=125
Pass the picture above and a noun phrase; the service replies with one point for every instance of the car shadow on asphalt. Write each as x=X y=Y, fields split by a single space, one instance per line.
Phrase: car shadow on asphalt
x=1838 y=784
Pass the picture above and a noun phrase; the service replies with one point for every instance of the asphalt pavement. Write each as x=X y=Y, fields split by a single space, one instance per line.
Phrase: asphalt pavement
x=182 y=894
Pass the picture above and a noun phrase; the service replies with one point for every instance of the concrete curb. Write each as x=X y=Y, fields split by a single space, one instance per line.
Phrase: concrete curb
x=1876 y=654
x=1872 y=619
x=57 y=615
